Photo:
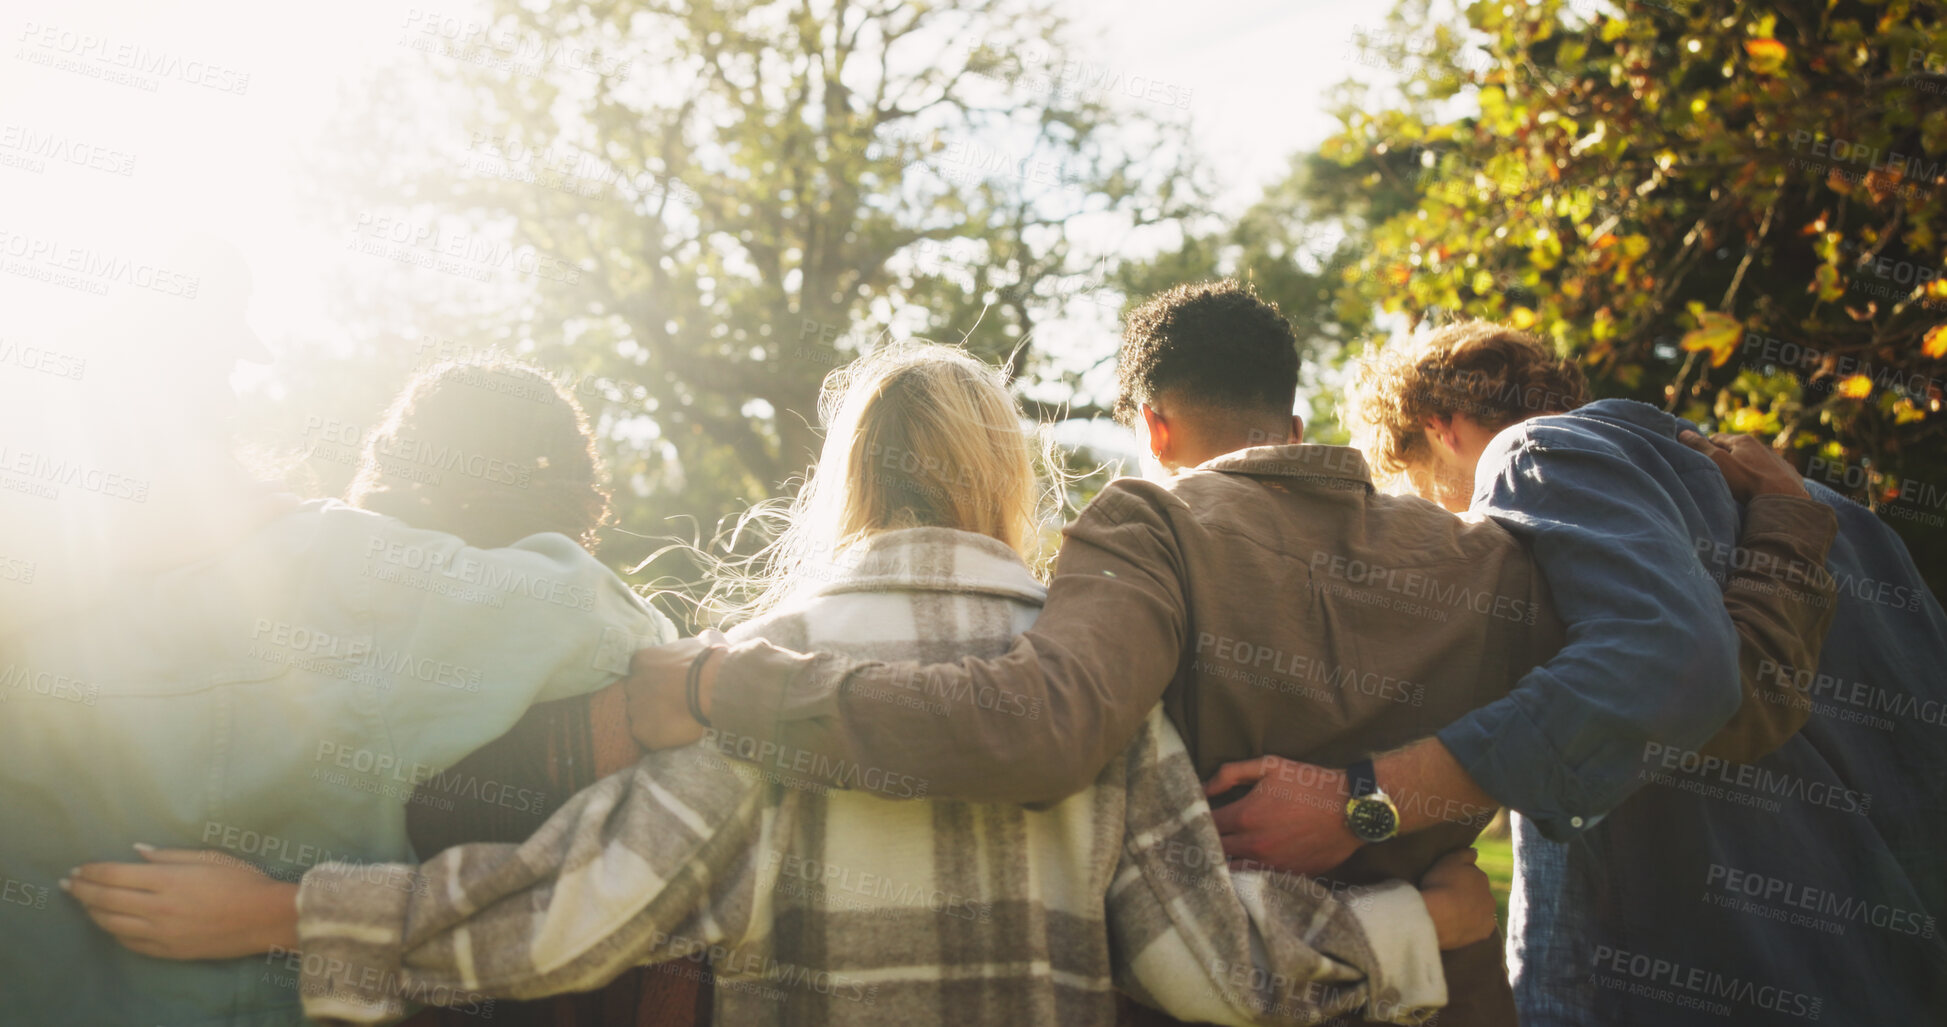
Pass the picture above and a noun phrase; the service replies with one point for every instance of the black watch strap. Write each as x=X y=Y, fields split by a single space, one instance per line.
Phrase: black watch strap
x=1361 y=779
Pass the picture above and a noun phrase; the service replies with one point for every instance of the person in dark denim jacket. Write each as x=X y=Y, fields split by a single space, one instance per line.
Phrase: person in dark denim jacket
x=1788 y=868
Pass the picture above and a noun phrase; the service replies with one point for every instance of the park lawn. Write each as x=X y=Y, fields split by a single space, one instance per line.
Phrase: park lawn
x=1497 y=859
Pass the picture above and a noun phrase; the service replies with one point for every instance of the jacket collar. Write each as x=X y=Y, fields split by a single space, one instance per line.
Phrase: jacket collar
x=932 y=560
x=1341 y=467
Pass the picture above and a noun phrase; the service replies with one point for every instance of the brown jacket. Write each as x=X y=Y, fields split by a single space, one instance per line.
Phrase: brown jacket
x=1275 y=603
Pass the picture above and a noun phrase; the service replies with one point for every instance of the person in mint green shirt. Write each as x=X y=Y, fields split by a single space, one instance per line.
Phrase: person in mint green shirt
x=273 y=678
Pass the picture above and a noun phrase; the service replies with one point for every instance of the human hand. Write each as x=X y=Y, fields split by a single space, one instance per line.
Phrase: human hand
x=187 y=904
x=658 y=703
x=1750 y=467
x=1460 y=899
x=1293 y=819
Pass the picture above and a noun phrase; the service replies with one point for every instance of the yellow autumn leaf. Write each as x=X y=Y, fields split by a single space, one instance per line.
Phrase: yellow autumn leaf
x=1856 y=387
x=1521 y=318
x=1904 y=412
x=1935 y=344
x=1716 y=334
x=1825 y=282
x=1747 y=421
x=1937 y=289
x=1767 y=55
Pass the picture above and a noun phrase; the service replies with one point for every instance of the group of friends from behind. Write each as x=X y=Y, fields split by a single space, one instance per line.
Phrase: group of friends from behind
x=1223 y=764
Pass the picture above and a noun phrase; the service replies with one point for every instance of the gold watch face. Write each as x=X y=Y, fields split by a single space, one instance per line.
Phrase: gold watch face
x=1371 y=818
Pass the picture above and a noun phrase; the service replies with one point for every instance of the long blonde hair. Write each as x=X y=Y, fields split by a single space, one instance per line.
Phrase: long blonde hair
x=917 y=435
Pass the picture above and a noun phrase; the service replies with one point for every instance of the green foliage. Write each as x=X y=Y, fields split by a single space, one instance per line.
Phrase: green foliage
x=1728 y=209
x=757 y=191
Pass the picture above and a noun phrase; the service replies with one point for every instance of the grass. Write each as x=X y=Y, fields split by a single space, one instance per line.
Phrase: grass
x=1497 y=859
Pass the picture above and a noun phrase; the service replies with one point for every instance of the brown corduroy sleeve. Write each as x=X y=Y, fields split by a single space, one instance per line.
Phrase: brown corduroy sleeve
x=1781 y=599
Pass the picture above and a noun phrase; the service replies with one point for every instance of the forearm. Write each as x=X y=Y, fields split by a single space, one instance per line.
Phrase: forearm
x=1429 y=786
x=1781 y=600
x=618 y=877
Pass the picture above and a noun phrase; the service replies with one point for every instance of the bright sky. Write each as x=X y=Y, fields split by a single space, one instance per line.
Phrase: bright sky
x=218 y=143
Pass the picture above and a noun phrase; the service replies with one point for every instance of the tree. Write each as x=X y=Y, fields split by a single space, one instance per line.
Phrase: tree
x=1734 y=210
x=701 y=210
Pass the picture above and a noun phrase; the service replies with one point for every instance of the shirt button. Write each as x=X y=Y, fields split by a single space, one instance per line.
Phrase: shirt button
x=1575 y=821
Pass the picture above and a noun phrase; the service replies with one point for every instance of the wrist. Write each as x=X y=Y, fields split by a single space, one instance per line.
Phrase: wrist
x=706 y=683
x=278 y=931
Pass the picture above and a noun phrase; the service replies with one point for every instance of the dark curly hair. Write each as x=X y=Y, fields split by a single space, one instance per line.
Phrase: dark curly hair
x=491 y=452
x=1211 y=343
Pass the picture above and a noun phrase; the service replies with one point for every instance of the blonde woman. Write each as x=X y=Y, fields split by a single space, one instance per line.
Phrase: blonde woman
x=913 y=540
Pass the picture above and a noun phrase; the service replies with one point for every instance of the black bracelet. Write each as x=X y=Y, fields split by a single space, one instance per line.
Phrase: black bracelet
x=695 y=684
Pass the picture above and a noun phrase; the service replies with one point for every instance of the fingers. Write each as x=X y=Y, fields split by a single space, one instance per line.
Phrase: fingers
x=1696 y=441
x=130 y=876
x=208 y=857
x=1230 y=819
x=95 y=896
x=128 y=929
x=1230 y=775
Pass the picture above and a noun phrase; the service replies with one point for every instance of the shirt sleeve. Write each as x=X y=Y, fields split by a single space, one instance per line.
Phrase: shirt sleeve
x=464 y=640
x=1651 y=653
x=1036 y=724
x=653 y=864
x=1209 y=945
x=1781 y=600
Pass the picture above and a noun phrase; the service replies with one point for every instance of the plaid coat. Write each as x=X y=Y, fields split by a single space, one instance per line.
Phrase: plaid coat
x=861 y=906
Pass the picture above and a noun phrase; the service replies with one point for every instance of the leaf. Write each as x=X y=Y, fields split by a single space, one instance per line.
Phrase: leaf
x=1856 y=387
x=1716 y=334
x=1749 y=421
x=1935 y=344
x=1767 y=55
x=1825 y=282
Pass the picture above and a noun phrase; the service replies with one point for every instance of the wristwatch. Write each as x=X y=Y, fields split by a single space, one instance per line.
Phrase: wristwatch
x=1370 y=814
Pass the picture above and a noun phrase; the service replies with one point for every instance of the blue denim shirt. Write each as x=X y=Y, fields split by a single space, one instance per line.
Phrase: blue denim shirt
x=278 y=700
x=1803 y=887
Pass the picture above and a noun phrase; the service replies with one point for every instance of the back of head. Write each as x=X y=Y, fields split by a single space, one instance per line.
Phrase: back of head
x=1225 y=358
x=490 y=452
x=917 y=435
x=1494 y=374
